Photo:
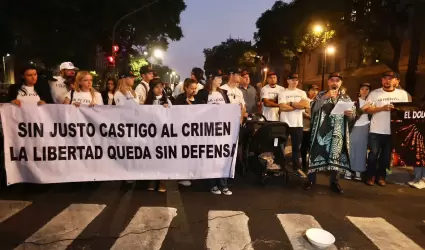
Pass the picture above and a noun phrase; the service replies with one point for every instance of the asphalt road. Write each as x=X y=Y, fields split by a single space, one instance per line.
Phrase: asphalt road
x=105 y=216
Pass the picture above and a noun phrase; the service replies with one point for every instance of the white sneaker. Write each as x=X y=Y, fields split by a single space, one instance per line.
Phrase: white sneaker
x=420 y=185
x=215 y=190
x=185 y=183
x=358 y=176
x=226 y=191
x=347 y=175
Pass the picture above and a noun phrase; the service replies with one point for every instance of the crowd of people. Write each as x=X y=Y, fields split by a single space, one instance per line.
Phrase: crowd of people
x=356 y=143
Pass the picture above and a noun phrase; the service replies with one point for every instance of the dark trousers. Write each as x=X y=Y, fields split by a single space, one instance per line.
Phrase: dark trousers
x=379 y=157
x=296 y=140
x=220 y=183
x=333 y=178
x=305 y=147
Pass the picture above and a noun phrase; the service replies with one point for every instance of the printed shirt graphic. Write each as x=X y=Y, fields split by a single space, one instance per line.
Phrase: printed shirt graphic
x=235 y=95
x=216 y=98
x=126 y=100
x=294 y=118
x=27 y=95
x=267 y=92
x=58 y=90
x=158 y=101
x=381 y=121
x=85 y=98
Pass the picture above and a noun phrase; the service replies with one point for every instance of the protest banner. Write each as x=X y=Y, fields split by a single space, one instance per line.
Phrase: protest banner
x=63 y=143
x=408 y=131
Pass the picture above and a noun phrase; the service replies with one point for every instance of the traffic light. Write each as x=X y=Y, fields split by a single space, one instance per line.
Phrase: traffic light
x=115 y=48
x=111 y=61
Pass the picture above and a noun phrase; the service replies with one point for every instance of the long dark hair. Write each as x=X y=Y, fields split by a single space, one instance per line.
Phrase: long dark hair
x=151 y=95
x=114 y=82
x=208 y=86
x=42 y=87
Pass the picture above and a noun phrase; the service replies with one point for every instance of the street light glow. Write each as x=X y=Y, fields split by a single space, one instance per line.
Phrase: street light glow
x=173 y=73
x=158 y=53
x=145 y=53
x=331 y=50
x=7 y=54
x=318 y=29
x=265 y=69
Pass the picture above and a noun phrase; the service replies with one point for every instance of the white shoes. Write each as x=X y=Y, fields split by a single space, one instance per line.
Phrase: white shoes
x=216 y=190
x=347 y=175
x=185 y=183
x=417 y=184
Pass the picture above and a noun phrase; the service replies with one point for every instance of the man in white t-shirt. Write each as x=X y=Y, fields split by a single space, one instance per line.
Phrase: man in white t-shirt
x=197 y=74
x=233 y=92
x=270 y=97
x=143 y=87
x=292 y=103
x=381 y=100
x=58 y=88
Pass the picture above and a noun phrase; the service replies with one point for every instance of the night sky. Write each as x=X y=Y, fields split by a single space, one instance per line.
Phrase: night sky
x=206 y=23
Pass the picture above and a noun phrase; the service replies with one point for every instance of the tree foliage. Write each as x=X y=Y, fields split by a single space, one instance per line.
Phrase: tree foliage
x=228 y=54
x=61 y=30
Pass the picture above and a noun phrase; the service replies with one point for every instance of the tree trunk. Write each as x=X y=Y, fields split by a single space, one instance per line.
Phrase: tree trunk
x=396 y=45
x=415 y=46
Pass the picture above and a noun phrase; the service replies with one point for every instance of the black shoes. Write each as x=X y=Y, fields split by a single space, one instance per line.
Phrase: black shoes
x=335 y=187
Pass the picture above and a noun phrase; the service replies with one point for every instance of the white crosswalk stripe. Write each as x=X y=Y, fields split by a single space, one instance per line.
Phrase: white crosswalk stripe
x=228 y=230
x=295 y=226
x=9 y=208
x=147 y=229
x=384 y=235
x=60 y=231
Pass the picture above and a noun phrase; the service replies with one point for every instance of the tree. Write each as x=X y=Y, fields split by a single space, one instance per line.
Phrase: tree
x=228 y=54
x=57 y=31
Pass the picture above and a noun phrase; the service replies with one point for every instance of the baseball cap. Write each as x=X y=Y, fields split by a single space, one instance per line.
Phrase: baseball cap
x=293 y=76
x=145 y=70
x=232 y=71
x=391 y=74
x=366 y=84
x=335 y=74
x=271 y=73
x=126 y=73
x=67 y=65
x=215 y=73
x=198 y=73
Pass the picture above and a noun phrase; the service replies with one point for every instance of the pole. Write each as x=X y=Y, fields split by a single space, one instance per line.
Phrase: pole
x=323 y=70
x=4 y=70
x=125 y=16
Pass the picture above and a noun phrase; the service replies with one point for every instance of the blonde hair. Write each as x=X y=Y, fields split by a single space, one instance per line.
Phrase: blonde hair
x=78 y=79
x=124 y=89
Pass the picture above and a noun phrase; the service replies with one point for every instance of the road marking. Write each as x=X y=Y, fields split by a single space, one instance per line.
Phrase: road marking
x=60 y=231
x=295 y=226
x=383 y=234
x=147 y=229
x=228 y=230
x=9 y=208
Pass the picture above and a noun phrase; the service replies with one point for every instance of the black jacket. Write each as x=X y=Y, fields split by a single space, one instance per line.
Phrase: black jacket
x=105 y=97
x=202 y=96
x=181 y=100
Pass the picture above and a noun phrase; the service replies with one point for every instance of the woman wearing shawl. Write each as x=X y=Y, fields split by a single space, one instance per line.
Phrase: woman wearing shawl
x=329 y=135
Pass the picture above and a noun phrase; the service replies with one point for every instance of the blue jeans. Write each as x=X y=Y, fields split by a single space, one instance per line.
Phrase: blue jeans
x=220 y=183
x=379 y=158
x=419 y=173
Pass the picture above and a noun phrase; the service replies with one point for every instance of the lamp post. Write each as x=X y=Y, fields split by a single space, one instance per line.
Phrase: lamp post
x=4 y=68
x=319 y=30
x=125 y=16
x=328 y=50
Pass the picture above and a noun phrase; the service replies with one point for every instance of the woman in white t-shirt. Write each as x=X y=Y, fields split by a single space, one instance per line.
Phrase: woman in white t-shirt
x=29 y=91
x=359 y=134
x=83 y=92
x=156 y=96
x=125 y=94
x=213 y=94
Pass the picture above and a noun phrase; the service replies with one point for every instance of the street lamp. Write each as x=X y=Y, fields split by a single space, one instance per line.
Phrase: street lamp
x=328 y=50
x=158 y=53
x=318 y=29
x=145 y=53
x=4 y=68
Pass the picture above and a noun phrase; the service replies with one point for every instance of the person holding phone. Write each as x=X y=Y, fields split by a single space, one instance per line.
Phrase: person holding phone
x=382 y=100
x=329 y=135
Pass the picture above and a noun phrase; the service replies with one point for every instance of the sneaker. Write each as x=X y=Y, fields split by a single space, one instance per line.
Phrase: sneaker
x=151 y=186
x=226 y=191
x=347 y=175
x=417 y=184
x=215 y=190
x=358 y=176
x=185 y=183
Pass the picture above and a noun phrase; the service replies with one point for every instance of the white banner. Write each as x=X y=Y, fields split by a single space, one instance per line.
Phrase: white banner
x=63 y=143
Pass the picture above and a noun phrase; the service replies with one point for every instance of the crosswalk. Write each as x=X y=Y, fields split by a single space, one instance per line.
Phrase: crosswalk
x=226 y=230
